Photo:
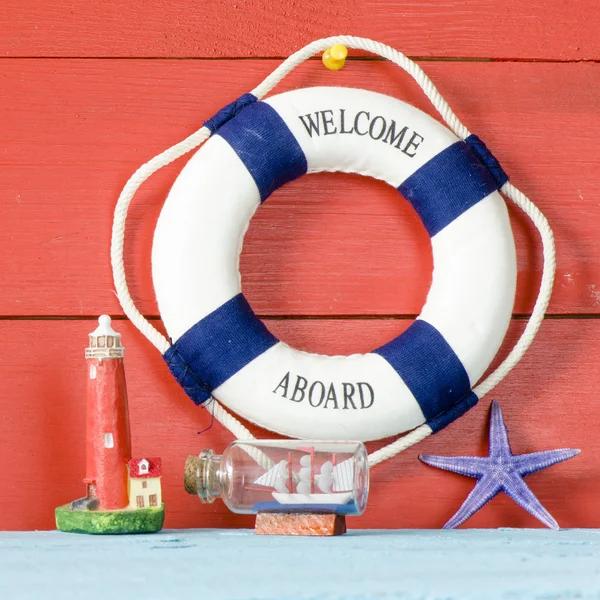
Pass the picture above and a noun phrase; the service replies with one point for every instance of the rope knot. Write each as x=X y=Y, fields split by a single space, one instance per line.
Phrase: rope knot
x=228 y=112
x=488 y=160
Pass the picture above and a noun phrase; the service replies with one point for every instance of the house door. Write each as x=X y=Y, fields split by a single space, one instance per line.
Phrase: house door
x=153 y=500
x=140 y=501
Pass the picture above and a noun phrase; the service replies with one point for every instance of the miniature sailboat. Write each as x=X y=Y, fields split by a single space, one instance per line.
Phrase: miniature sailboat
x=333 y=482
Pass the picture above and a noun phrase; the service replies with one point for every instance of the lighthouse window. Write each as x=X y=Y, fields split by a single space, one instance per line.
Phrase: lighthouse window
x=109 y=442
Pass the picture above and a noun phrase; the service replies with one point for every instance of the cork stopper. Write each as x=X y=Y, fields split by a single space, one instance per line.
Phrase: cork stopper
x=202 y=476
x=105 y=342
x=190 y=474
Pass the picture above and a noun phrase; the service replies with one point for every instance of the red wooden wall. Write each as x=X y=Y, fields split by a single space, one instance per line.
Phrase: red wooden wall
x=89 y=91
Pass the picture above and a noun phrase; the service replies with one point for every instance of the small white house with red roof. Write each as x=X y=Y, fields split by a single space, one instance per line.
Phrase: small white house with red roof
x=144 y=482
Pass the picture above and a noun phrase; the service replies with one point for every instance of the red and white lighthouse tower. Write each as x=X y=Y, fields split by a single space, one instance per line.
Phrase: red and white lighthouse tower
x=108 y=437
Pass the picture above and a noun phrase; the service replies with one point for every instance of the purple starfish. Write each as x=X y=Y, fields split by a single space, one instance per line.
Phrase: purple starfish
x=501 y=471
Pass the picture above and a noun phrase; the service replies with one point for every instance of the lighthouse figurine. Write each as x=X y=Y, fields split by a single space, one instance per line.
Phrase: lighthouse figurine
x=123 y=494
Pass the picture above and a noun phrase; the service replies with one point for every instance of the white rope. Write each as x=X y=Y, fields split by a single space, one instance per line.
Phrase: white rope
x=543 y=299
x=440 y=104
x=118 y=232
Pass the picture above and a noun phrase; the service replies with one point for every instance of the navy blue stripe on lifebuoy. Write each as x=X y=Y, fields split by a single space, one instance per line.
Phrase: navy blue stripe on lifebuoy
x=449 y=184
x=431 y=371
x=266 y=146
x=217 y=347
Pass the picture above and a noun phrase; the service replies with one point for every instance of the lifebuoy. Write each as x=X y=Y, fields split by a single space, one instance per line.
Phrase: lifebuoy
x=221 y=349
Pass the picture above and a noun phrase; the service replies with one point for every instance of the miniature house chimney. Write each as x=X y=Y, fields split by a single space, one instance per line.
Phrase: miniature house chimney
x=108 y=440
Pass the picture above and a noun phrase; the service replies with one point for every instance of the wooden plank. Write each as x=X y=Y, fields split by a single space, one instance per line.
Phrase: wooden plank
x=75 y=131
x=437 y=565
x=549 y=401
x=259 y=28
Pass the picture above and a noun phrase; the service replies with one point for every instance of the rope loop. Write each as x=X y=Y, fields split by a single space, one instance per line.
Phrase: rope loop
x=451 y=120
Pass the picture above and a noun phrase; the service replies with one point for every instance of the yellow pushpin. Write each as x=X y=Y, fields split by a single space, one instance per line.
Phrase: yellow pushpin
x=335 y=57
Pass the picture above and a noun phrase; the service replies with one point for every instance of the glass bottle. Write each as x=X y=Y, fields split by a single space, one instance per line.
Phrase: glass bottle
x=283 y=476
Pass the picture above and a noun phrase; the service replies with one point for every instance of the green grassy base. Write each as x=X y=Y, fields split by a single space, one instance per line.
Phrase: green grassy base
x=142 y=520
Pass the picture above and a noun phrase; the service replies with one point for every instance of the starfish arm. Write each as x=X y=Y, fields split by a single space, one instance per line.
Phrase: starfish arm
x=471 y=466
x=485 y=489
x=515 y=487
x=525 y=464
x=499 y=444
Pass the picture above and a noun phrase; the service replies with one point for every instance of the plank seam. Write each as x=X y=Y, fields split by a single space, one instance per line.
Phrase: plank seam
x=348 y=317
x=473 y=59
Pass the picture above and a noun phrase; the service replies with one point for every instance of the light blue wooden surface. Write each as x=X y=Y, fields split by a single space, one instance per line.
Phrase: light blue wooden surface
x=366 y=565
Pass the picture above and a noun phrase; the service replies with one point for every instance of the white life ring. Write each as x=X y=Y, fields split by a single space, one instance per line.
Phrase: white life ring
x=220 y=348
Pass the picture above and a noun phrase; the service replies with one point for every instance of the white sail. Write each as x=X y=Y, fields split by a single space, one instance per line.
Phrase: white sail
x=343 y=476
x=325 y=479
x=273 y=477
x=305 y=475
